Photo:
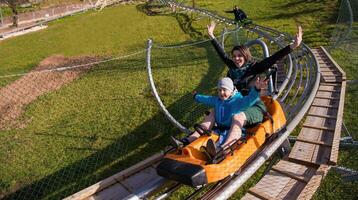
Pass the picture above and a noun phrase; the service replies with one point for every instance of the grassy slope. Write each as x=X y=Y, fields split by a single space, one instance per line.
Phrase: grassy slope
x=84 y=125
x=88 y=138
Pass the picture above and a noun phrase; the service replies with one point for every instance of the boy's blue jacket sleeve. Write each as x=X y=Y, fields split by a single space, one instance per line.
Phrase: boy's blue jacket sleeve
x=207 y=100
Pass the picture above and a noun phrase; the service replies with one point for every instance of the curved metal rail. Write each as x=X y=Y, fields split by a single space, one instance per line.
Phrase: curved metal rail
x=156 y=95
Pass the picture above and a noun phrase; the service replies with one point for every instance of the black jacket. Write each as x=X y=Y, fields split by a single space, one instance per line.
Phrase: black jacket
x=243 y=75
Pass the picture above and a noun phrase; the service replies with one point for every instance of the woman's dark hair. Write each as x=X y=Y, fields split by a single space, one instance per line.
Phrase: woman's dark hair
x=245 y=52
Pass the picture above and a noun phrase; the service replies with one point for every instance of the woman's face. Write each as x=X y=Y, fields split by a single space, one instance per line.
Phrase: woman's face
x=238 y=58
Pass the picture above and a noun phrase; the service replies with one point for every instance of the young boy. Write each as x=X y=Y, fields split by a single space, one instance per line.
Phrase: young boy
x=228 y=103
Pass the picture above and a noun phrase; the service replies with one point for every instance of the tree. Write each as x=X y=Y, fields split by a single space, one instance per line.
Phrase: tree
x=13 y=5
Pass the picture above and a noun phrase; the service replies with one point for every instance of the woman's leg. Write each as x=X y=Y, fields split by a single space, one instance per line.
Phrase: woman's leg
x=238 y=122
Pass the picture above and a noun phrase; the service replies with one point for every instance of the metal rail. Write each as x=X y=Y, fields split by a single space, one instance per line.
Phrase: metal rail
x=156 y=95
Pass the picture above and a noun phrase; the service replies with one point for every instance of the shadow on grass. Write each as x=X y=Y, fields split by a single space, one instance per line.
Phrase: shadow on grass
x=184 y=21
x=286 y=14
x=289 y=10
x=318 y=31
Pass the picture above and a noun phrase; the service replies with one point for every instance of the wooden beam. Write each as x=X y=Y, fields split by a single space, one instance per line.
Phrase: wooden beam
x=116 y=178
x=329 y=98
x=290 y=174
x=314 y=183
x=331 y=75
x=325 y=71
x=322 y=116
x=302 y=162
x=334 y=62
x=337 y=134
x=327 y=66
x=325 y=106
x=260 y=194
x=319 y=128
x=330 y=84
x=332 y=91
x=332 y=79
x=314 y=142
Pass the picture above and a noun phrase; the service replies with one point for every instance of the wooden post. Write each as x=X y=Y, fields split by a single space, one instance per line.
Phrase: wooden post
x=1 y=18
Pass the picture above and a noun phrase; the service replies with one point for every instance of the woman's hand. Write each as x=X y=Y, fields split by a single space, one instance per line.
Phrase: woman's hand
x=211 y=28
x=298 y=38
x=261 y=83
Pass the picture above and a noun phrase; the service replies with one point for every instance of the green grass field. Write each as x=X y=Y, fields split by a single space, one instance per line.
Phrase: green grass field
x=107 y=120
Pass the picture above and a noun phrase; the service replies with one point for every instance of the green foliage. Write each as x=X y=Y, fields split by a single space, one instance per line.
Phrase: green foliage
x=338 y=189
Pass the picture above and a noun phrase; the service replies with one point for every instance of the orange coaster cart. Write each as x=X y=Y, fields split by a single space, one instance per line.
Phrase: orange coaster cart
x=191 y=166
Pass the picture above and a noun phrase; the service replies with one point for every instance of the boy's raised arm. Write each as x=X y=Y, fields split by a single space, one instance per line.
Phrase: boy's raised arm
x=254 y=94
x=205 y=99
x=250 y=99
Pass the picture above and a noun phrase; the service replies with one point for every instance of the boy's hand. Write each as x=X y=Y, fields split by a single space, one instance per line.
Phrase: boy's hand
x=261 y=83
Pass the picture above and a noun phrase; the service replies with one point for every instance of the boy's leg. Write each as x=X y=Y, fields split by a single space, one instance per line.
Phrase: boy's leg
x=233 y=134
x=235 y=131
x=207 y=124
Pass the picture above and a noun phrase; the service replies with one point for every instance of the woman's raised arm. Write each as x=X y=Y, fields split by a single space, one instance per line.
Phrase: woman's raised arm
x=211 y=29
x=298 y=38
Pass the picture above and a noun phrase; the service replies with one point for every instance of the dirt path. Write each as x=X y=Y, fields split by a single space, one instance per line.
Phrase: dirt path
x=17 y=95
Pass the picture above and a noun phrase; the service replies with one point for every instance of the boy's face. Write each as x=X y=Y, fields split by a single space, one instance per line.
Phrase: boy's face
x=224 y=93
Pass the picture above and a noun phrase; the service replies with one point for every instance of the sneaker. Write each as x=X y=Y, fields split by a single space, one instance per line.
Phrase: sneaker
x=205 y=152
x=211 y=148
x=175 y=142
x=185 y=141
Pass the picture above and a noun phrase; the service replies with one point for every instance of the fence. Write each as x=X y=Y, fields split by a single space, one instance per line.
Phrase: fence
x=44 y=14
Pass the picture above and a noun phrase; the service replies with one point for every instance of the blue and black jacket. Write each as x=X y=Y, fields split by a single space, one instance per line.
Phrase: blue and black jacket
x=225 y=109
